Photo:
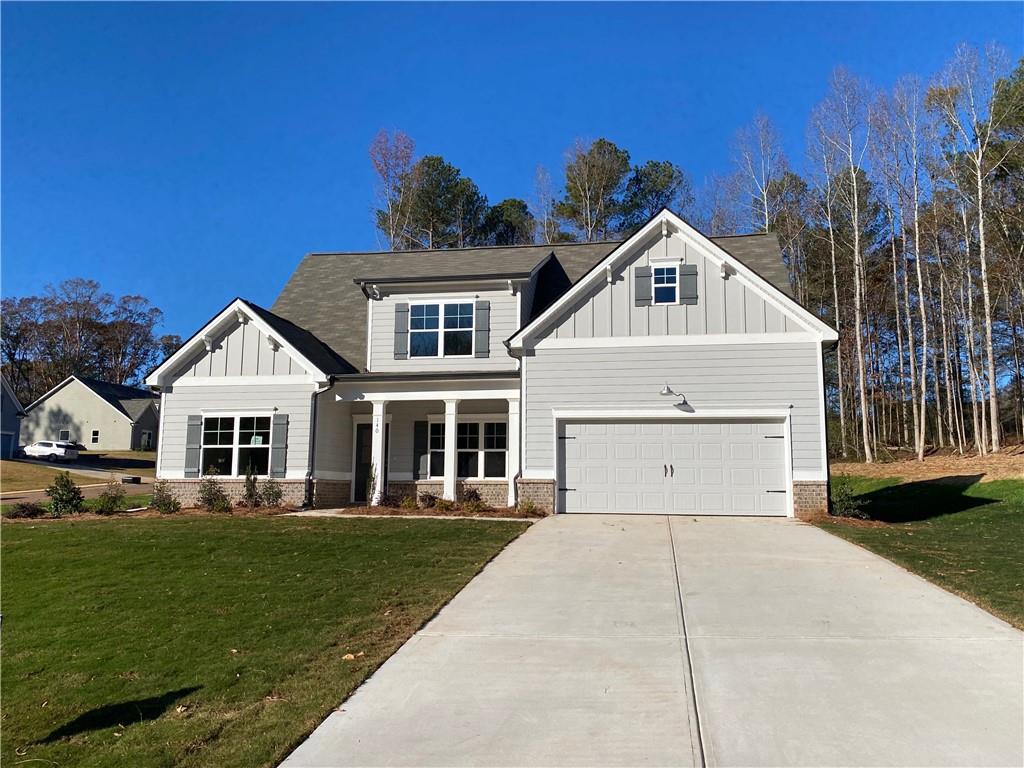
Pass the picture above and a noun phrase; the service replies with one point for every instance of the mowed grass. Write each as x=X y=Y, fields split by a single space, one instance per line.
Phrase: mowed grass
x=965 y=536
x=210 y=641
x=22 y=476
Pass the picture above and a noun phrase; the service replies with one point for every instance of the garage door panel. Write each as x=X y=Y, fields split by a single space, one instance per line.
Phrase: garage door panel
x=722 y=468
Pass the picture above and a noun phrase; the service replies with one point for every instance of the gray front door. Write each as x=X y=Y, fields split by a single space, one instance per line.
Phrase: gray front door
x=364 y=459
x=712 y=467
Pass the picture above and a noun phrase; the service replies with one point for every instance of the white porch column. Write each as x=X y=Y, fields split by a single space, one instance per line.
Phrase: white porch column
x=377 y=450
x=512 y=458
x=451 y=413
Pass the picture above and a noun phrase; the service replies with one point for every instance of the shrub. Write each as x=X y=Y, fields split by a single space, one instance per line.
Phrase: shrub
x=845 y=502
x=65 y=497
x=444 y=505
x=251 y=493
x=407 y=502
x=528 y=508
x=474 y=507
x=387 y=500
x=212 y=496
x=112 y=498
x=470 y=495
x=271 y=492
x=164 y=501
x=427 y=499
x=26 y=510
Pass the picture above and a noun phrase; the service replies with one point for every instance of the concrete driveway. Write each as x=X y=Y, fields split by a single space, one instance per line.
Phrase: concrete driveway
x=605 y=640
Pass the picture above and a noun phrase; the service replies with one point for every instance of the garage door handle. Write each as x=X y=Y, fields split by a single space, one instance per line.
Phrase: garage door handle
x=774 y=491
x=666 y=469
x=672 y=470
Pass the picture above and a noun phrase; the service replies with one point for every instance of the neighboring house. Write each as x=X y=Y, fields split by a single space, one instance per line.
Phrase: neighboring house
x=10 y=420
x=99 y=415
x=667 y=373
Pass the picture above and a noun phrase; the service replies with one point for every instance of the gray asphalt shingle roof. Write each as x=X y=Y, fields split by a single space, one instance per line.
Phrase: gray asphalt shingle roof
x=322 y=299
x=131 y=401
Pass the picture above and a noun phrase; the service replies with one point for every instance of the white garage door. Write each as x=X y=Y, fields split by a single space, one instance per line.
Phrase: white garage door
x=691 y=467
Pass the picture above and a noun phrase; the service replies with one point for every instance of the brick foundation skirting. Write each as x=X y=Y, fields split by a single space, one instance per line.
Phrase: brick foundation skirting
x=810 y=499
x=187 y=491
x=540 y=492
x=330 y=494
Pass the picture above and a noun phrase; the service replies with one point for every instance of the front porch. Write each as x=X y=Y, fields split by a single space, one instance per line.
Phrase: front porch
x=393 y=441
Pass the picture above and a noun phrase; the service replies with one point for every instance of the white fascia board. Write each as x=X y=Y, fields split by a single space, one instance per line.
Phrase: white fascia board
x=44 y=396
x=435 y=394
x=67 y=381
x=710 y=249
x=706 y=339
x=230 y=313
x=671 y=412
x=234 y=381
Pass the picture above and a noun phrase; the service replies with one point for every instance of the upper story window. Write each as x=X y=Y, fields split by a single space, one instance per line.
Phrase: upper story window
x=428 y=339
x=666 y=285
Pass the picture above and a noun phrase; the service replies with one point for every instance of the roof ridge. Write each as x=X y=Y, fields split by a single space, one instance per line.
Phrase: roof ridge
x=461 y=250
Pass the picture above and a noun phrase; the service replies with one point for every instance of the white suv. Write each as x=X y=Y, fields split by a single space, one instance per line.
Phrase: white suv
x=52 y=450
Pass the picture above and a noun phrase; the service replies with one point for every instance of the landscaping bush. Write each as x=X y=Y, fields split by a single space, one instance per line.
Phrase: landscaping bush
x=444 y=505
x=271 y=492
x=65 y=497
x=111 y=500
x=26 y=510
x=427 y=499
x=474 y=507
x=528 y=508
x=407 y=503
x=845 y=502
x=387 y=500
x=164 y=501
x=470 y=495
x=212 y=497
x=251 y=494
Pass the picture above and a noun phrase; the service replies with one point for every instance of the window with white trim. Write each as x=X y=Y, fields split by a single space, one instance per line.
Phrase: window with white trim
x=429 y=338
x=481 y=449
x=232 y=446
x=666 y=285
x=64 y=435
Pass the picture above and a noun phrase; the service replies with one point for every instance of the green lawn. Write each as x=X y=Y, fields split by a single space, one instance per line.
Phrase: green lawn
x=965 y=536
x=210 y=641
x=22 y=476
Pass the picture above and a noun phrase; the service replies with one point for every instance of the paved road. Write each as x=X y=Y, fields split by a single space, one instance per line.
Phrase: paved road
x=596 y=640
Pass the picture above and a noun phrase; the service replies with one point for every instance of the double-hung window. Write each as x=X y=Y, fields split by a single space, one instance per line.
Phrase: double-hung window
x=233 y=446
x=427 y=337
x=666 y=285
x=481 y=449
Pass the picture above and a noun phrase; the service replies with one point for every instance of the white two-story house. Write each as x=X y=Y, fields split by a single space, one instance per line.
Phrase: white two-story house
x=667 y=373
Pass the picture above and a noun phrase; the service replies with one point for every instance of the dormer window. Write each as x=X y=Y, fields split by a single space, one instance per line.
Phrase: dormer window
x=666 y=285
x=428 y=339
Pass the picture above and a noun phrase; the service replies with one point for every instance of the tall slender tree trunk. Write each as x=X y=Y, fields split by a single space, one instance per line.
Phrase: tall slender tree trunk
x=918 y=258
x=993 y=388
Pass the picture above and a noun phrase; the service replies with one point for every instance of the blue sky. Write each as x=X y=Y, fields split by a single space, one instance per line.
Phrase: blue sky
x=194 y=152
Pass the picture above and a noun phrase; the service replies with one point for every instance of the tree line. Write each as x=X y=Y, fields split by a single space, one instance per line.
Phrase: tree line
x=902 y=226
x=75 y=327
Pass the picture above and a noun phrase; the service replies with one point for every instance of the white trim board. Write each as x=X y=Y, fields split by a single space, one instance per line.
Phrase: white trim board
x=440 y=394
x=706 y=339
x=664 y=224
x=234 y=381
x=224 y=321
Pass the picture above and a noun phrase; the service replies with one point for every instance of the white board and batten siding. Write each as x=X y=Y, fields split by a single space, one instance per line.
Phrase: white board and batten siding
x=504 y=317
x=724 y=306
x=241 y=351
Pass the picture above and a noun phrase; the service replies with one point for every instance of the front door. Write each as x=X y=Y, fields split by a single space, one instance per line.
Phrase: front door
x=364 y=459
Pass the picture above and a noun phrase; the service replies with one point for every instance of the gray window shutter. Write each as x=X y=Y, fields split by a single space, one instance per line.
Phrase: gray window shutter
x=642 y=295
x=279 y=445
x=420 y=454
x=482 y=329
x=688 y=284
x=401 y=331
x=193 y=445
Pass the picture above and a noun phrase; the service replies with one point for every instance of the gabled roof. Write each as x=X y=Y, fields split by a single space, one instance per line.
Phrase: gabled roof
x=312 y=354
x=763 y=250
x=10 y=393
x=323 y=295
x=130 y=402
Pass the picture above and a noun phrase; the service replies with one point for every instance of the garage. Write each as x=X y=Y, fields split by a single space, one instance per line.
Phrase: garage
x=693 y=467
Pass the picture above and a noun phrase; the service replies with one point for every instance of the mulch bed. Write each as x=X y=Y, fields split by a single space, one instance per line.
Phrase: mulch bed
x=503 y=512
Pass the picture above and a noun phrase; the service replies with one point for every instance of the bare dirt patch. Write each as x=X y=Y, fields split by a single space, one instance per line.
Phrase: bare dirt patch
x=1007 y=465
